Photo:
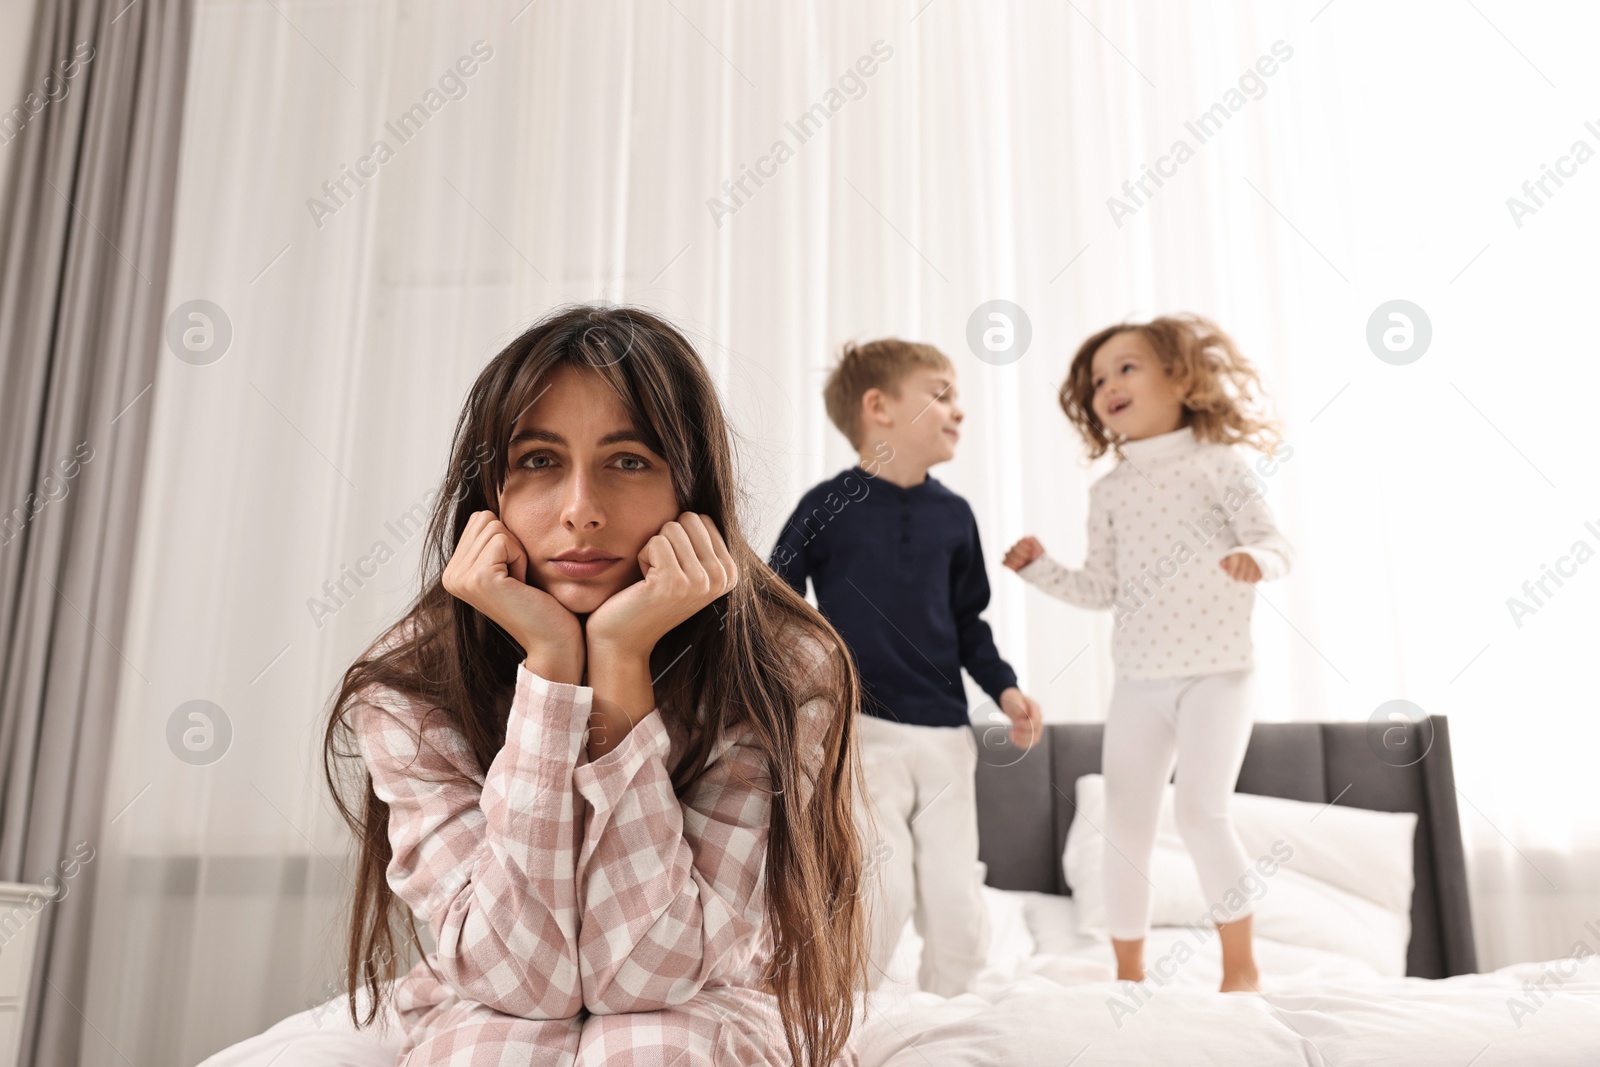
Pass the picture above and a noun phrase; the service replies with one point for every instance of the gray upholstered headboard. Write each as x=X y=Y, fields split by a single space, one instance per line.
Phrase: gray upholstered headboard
x=1025 y=805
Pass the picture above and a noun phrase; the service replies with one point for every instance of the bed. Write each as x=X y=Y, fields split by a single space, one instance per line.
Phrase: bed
x=1027 y=801
x=1047 y=995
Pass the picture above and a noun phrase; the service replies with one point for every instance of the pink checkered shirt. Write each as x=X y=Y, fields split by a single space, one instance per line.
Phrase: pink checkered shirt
x=582 y=913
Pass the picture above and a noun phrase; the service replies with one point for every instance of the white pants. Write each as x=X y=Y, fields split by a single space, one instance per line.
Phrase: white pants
x=921 y=844
x=1205 y=721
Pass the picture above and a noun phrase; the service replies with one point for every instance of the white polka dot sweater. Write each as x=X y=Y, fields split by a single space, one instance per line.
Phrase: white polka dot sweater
x=1159 y=523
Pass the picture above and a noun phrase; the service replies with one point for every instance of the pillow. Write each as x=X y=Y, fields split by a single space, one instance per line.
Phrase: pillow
x=1010 y=940
x=1299 y=910
x=1327 y=877
x=1053 y=922
x=1368 y=853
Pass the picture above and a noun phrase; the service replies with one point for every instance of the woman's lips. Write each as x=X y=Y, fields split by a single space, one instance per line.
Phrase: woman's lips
x=583 y=568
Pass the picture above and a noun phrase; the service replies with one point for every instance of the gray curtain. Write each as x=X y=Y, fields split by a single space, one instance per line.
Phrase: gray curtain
x=84 y=240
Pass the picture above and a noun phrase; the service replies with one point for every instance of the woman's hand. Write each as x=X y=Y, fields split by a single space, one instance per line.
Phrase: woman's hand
x=1241 y=566
x=686 y=566
x=489 y=571
x=1023 y=553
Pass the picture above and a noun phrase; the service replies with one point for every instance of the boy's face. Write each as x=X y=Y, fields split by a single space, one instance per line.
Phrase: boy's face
x=921 y=423
x=1134 y=397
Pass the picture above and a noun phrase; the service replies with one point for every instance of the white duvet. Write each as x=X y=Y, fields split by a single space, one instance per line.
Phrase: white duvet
x=1063 y=1021
x=1047 y=999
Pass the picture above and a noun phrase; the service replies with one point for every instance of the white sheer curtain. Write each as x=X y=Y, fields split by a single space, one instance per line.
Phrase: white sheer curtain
x=974 y=163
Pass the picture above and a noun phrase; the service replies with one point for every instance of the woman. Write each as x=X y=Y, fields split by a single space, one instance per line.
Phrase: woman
x=607 y=756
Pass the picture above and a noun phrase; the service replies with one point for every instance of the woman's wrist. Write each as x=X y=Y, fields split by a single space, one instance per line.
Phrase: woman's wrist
x=554 y=664
x=623 y=693
x=552 y=671
x=608 y=648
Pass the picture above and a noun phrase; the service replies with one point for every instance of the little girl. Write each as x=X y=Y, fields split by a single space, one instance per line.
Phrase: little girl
x=607 y=756
x=1177 y=535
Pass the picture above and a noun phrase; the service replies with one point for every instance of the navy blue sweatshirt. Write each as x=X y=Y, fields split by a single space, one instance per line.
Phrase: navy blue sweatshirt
x=899 y=573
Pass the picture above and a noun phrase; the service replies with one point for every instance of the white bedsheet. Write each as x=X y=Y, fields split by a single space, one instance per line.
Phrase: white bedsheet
x=1061 y=1019
x=1057 y=1006
x=1060 y=1006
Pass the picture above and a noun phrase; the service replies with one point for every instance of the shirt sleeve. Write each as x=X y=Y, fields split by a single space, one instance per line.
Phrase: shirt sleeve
x=789 y=556
x=969 y=596
x=1252 y=522
x=488 y=860
x=671 y=891
x=1095 y=586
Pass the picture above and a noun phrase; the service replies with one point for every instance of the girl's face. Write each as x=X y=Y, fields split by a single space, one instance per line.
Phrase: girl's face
x=1134 y=397
x=583 y=492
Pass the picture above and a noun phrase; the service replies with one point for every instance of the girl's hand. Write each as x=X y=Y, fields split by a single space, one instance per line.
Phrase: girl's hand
x=1027 y=718
x=1023 y=553
x=488 y=570
x=686 y=566
x=1241 y=566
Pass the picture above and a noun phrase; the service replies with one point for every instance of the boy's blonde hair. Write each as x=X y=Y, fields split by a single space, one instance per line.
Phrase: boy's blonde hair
x=1222 y=396
x=880 y=364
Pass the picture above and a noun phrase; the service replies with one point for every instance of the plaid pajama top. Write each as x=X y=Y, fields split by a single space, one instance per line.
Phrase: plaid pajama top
x=582 y=913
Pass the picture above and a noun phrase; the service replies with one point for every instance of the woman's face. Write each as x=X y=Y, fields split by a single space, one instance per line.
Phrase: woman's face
x=583 y=492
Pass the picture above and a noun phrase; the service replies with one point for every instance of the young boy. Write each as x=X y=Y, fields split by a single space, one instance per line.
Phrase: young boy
x=898 y=570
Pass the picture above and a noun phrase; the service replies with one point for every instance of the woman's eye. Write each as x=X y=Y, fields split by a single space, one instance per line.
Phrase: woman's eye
x=535 y=460
x=633 y=463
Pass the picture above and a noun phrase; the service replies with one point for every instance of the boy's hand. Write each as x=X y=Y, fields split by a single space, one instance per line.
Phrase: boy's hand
x=1023 y=553
x=1027 y=718
x=1241 y=566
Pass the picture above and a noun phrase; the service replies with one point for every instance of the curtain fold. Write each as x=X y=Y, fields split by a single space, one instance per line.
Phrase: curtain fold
x=84 y=247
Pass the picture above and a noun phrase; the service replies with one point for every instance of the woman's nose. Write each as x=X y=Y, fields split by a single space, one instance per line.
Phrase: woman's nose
x=582 y=510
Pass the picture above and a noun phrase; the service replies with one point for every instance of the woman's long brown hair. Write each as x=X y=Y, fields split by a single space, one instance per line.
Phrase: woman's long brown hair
x=738 y=666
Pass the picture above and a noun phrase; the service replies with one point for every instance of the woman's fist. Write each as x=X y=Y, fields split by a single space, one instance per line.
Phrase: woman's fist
x=686 y=566
x=488 y=570
x=1023 y=553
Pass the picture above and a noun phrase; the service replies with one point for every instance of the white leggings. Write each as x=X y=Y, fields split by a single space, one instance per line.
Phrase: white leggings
x=1204 y=720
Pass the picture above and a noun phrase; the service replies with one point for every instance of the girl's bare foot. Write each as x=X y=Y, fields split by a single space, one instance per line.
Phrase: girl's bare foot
x=1239 y=974
x=1130 y=959
x=1241 y=982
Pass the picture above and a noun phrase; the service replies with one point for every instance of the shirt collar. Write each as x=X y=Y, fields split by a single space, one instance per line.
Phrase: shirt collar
x=1162 y=444
x=926 y=483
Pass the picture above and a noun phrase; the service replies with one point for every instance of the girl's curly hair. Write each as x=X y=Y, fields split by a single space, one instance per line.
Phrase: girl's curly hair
x=1222 y=395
